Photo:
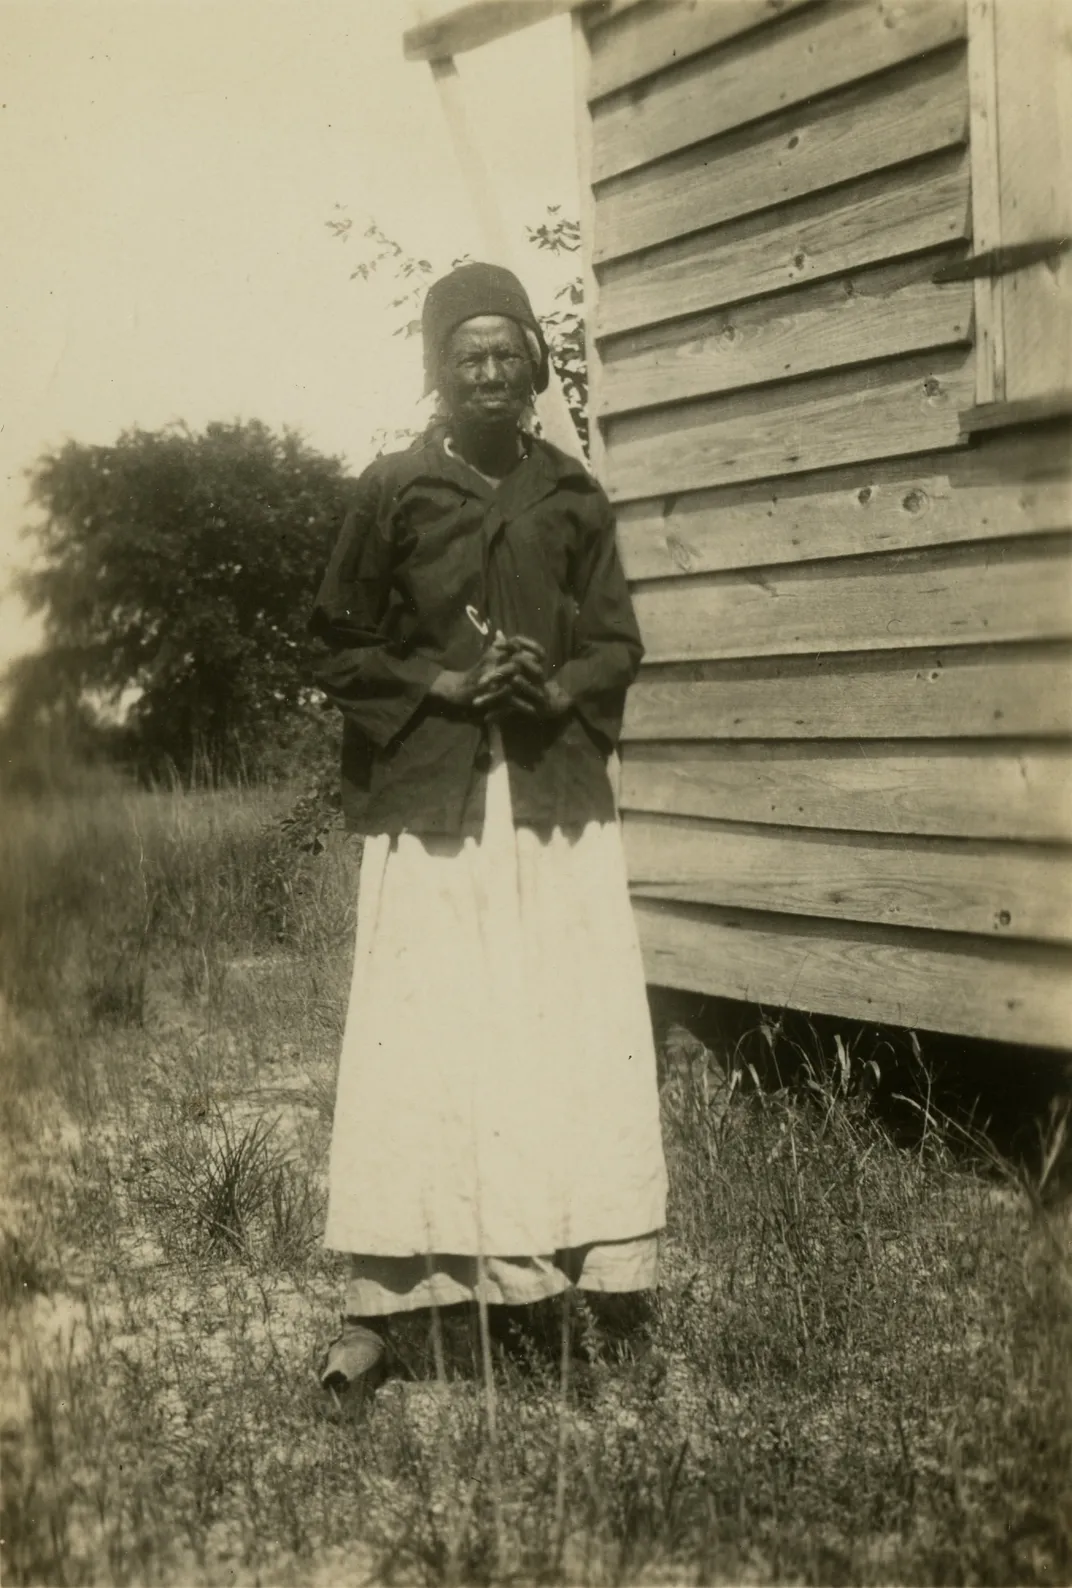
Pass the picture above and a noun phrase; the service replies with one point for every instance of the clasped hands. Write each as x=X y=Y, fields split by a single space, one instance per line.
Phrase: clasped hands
x=510 y=676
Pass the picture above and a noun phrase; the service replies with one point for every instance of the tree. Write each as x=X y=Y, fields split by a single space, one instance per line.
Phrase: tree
x=564 y=328
x=176 y=574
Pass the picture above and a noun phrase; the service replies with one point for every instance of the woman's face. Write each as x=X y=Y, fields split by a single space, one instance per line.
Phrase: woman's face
x=486 y=375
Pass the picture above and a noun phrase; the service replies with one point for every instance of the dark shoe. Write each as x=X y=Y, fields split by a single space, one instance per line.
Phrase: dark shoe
x=356 y=1358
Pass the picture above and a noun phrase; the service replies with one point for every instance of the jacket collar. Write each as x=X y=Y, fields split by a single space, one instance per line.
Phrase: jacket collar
x=535 y=477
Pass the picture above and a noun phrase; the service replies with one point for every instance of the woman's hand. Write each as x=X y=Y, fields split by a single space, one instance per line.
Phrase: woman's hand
x=532 y=693
x=511 y=676
x=486 y=686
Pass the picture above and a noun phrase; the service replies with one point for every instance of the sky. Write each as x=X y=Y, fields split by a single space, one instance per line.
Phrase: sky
x=167 y=172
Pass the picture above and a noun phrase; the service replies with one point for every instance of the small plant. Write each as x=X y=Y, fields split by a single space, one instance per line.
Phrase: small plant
x=211 y=1187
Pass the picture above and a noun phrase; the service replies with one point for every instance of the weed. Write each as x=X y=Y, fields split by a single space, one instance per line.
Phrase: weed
x=209 y=1185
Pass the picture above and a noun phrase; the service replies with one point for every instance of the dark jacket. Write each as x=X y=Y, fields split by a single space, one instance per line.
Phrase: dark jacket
x=426 y=538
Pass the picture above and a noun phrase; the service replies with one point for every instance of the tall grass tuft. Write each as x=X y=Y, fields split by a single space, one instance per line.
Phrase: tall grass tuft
x=217 y=1188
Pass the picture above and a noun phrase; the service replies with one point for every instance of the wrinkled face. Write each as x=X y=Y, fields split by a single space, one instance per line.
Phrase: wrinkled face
x=486 y=373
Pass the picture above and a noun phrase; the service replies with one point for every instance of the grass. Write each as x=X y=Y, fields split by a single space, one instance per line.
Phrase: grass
x=856 y=1370
x=217 y=1188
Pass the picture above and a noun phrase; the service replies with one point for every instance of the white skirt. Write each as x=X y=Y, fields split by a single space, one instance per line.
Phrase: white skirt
x=497 y=1091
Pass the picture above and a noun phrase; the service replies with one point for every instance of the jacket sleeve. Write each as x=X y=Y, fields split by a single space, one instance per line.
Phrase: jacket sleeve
x=607 y=646
x=377 y=683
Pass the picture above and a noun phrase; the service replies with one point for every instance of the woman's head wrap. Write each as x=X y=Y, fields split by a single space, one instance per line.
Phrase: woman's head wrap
x=470 y=291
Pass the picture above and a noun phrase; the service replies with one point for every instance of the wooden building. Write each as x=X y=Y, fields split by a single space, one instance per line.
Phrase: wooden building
x=830 y=344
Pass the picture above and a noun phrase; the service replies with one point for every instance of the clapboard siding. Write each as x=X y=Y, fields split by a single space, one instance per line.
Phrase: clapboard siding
x=807 y=54
x=936 y=884
x=928 y=788
x=963 y=594
x=871 y=314
x=846 y=763
x=882 y=216
x=993 y=692
x=899 y=406
x=912 y=111
x=1005 y=488
x=656 y=35
x=972 y=986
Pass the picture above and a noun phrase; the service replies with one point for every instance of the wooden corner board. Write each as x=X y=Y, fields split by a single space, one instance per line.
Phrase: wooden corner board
x=984 y=417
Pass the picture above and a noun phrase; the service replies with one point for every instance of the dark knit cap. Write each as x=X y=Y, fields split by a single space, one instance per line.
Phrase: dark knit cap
x=470 y=291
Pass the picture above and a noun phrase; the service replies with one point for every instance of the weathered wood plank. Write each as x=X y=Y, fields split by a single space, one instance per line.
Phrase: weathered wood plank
x=947 y=596
x=873 y=313
x=912 y=111
x=1019 y=485
x=923 y=789
x=881 y=217
x=890 y=409
x=808 y=54
x=939 y=884
x=1010 y=992
x=986 y=197
x=1013 y=692
x=1034 y=84
x=660 y=32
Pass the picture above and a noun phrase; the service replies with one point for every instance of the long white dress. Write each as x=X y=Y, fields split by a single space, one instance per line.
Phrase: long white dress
x=497 y=1110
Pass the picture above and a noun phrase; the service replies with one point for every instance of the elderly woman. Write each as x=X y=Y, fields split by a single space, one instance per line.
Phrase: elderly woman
x=496 y=1133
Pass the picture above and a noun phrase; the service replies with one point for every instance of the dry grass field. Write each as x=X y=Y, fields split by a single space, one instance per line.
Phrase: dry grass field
x=857 y=1370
